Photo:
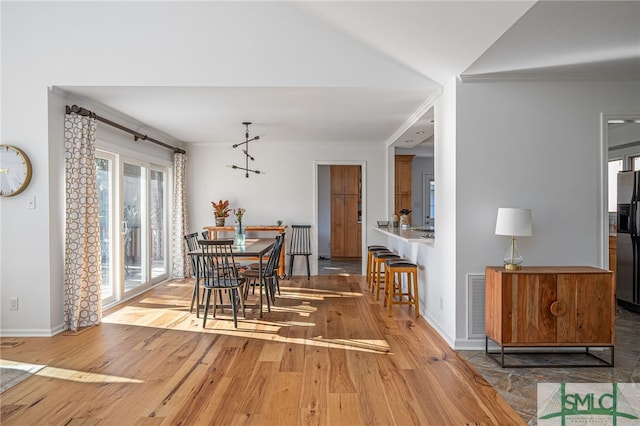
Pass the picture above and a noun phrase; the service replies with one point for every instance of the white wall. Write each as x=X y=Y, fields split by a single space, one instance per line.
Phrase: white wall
x=46 y=44
x=286 y=191
x=534 y=145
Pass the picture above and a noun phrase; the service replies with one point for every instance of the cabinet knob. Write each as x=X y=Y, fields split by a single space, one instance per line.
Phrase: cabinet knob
x=557 y=308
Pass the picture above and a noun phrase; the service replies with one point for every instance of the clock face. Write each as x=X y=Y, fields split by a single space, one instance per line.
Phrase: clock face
x=15 y=170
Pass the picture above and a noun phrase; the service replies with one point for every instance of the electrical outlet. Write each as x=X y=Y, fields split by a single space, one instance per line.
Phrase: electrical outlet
x=31 y=202
x=13 y=304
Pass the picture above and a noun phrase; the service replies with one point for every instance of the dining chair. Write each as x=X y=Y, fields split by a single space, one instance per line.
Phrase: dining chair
x=256 y=265
x=205 y=235
x=269 y=273
x=300 y=245
x=192 y=244
x=219 y=274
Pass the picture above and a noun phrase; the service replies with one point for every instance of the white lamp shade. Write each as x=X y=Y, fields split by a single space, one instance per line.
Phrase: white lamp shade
x=514 y=222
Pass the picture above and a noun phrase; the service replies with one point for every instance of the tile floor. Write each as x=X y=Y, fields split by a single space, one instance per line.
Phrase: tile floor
x=518 y=386
x=339 y=267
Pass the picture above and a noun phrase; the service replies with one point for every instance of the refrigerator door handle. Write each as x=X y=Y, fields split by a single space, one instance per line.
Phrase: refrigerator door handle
x=635 y=218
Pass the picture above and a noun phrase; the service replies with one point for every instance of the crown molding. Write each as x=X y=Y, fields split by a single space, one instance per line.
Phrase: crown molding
x=422 y=109
x=509 y=77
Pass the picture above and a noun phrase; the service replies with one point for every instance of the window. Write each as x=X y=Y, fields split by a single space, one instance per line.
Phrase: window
x=635 y=162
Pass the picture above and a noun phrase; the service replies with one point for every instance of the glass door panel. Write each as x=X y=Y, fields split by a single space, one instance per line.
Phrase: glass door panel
x=104 y=167
x=157 y=224
x=132 y=230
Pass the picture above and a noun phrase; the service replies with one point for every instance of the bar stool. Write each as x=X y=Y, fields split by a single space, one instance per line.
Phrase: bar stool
x=397 y=272
x=379 y=274
x=370 y=251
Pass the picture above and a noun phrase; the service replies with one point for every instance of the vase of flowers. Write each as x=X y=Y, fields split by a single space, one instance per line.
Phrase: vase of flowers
x=220 y=211
x=239 y=230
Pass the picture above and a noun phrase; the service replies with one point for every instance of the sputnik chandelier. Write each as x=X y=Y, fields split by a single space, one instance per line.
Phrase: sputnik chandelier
x=247 y=157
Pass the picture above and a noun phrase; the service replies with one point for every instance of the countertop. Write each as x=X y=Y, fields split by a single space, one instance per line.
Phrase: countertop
x=420 y=235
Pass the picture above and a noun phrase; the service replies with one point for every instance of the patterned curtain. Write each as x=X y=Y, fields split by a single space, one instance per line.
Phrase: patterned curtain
x=83 y=277
x=181 y=265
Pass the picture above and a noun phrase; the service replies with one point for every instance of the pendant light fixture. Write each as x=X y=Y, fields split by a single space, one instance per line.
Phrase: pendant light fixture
x=247 y=156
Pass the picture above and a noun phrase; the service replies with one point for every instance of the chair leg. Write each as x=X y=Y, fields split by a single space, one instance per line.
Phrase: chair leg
x=291 y=257
x=391 y=290
x=206 y=307
x=416 y=299
x=308 y=269
x=234 y=309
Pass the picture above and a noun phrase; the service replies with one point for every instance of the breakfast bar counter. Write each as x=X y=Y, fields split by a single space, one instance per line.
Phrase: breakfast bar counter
x=415 y=235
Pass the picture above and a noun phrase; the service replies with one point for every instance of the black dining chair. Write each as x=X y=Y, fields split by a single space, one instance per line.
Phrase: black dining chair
x=300 y=245
x=192 y=245
x=269 y=273
x=219 y=274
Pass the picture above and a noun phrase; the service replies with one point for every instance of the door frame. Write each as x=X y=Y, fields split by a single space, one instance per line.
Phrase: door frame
x=363 y=182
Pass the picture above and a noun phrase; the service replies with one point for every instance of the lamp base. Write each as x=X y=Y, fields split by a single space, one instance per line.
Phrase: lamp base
x=512 y=267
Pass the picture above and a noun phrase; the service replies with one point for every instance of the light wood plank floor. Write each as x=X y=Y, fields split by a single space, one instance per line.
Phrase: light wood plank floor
x=327 y=354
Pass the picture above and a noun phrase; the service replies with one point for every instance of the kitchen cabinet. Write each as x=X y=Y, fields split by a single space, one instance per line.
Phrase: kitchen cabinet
x=345 y=212
x=550 y=307
x=403 y=183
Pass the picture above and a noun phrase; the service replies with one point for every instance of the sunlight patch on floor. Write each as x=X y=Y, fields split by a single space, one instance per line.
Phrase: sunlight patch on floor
x=83 y=376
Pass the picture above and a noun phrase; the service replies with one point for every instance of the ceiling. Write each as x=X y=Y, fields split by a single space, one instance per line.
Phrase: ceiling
x=409 y=51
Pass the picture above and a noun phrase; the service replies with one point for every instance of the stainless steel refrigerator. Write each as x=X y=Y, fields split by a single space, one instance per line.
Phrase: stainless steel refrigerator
x=628 y=241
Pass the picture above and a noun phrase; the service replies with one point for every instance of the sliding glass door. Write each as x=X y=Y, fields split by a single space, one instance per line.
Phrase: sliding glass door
x=135 y=252
x=105 y=170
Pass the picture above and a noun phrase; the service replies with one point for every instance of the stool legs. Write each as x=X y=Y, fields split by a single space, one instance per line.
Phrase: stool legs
x=394 y=291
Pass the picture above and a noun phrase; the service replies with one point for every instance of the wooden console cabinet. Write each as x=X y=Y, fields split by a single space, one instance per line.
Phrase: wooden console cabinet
x=550 y=307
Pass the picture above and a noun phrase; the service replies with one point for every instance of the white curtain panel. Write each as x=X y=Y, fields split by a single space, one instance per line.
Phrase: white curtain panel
x=83 y=278
x=181 y=267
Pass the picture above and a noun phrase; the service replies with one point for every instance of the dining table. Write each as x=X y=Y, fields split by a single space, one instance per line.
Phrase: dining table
x=252 y=248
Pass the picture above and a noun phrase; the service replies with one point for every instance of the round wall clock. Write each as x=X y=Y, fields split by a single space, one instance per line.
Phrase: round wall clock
x=15 y=171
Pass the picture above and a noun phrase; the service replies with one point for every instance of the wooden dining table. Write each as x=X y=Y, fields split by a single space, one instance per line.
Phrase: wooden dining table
x=252 y=248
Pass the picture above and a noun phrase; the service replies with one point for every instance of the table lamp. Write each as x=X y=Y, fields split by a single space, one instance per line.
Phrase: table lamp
x=514 y=223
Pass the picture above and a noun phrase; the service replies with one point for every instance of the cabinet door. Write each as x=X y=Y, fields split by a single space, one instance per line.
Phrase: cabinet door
x=403 y=182
x=527 y=317
x=351 y=241
x=345 y=180
x=337 y=225
x=586 y=308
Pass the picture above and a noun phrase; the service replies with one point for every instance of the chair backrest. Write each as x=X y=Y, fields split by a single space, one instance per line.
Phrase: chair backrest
x=192 y=244
x=281 y=237
x=300 y=239
x=192 y=241
x=205 y=235
x=219 y=266
x=271 y=267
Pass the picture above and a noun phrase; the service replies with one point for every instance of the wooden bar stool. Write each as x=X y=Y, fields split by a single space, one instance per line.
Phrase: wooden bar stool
x=397 y=273
x=379 y=273
x=370 y=251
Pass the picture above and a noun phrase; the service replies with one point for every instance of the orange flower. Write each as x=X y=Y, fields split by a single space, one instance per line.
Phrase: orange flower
x=221 y=209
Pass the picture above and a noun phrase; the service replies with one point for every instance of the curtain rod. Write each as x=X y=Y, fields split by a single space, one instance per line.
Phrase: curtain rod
x=136 y=135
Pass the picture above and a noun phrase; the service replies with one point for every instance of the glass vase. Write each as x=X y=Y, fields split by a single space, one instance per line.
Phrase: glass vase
x=240 y=235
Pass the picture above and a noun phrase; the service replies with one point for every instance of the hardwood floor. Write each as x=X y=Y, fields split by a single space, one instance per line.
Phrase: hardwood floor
x=327 y=354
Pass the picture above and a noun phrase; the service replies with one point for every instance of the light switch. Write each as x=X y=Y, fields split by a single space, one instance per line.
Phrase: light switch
x=31 y=202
